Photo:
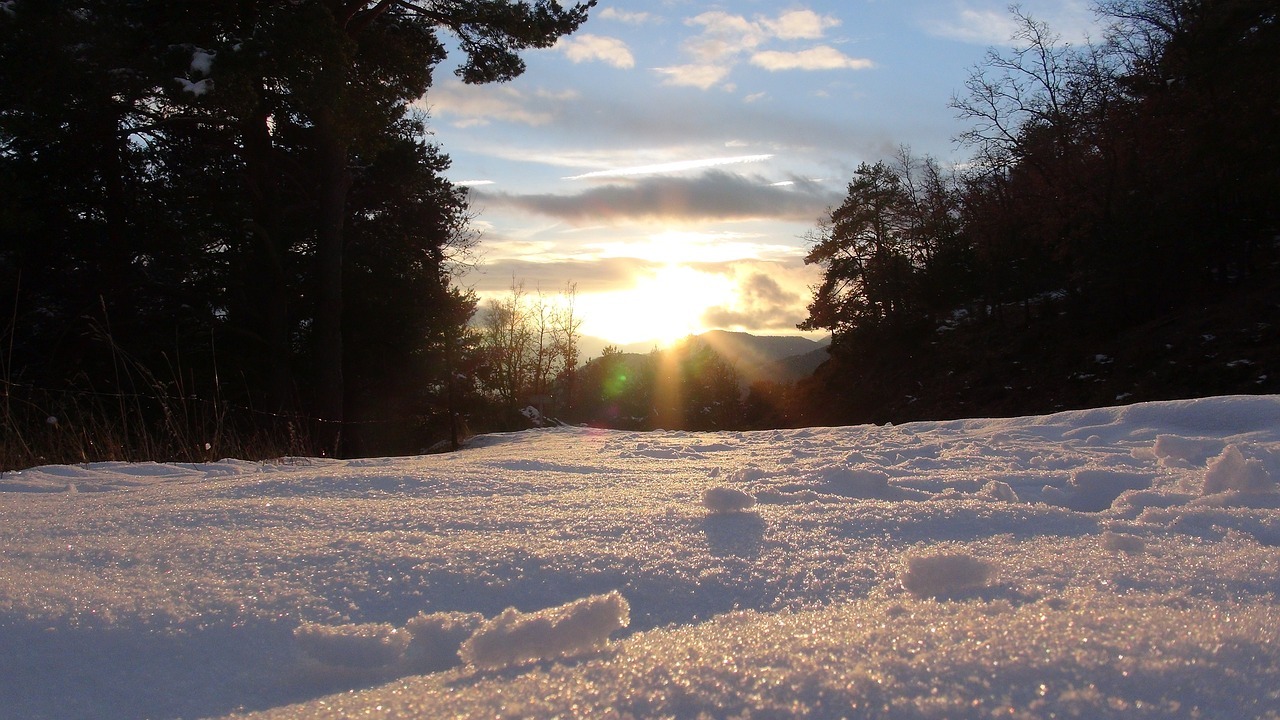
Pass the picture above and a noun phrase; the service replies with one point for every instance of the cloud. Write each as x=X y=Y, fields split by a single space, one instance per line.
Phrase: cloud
x=631 y=18
x=823 y=57
x=670 y=167
x=985 y=22
x=725 y=39
x=800 y=25
x=591 y=275
x=974 y=25
x=471 y=105
x=703 y=77
x=588 y=48
x=723 y=36
x=714 y=195
x=762 y=304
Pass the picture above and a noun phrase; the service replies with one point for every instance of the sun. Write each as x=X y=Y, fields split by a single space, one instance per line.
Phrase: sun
x=663 y=306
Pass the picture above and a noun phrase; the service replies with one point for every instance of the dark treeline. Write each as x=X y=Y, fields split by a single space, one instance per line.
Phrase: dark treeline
x=1114 y=238
x=222 y=229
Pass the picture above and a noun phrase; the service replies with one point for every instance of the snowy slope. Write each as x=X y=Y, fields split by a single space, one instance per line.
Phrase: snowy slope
x=1107 y=563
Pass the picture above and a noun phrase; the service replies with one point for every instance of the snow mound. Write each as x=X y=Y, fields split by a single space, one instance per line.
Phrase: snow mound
x=852 y=482
x=365 y=645
x=1175 y=450
x=1094 y=490
x=722 y=499
x=945 y=573
x=999 y=491
x=437 y=637
x=1120 y=542
x=514 y=637
x=1231 y=471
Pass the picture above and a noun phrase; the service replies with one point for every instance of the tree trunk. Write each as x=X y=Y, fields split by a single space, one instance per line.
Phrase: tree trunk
x=334 y=184
x=268 y=287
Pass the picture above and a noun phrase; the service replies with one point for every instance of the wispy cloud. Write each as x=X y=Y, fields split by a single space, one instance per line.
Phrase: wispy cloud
x=823 y=57
x=472 y=105
x=590 y=275
x=597 y=48
x=670 y=167
x=989 y=22
x=712 y=196
x=632 y=18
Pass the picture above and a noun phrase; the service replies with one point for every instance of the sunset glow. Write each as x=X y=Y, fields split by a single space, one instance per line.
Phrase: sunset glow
x=670 y=160
x=662 y=306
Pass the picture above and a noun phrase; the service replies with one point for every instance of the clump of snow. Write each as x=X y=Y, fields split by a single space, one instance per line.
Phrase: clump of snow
x=1121 y=542
x=999 y=490
x=1177 y=451
x=514 y=637
x=364 y=645
x=198 y=88
x=722 y=499
x=437 y=638
x=945 y=573
x=747 y=475
x=202 y=61
x=1231 y=471
x=851 y=482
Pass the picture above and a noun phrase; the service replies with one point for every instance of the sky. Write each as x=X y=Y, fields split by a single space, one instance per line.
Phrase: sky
x=671 y=157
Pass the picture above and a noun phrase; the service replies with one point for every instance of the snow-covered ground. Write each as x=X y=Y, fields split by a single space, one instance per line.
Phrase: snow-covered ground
x=1117 y=562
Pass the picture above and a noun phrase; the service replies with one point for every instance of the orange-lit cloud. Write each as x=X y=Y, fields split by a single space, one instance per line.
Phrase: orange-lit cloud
x=761 y=304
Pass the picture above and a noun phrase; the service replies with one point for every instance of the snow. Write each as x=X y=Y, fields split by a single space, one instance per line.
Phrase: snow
x=722 y=499
x=202 y=61
x=197 y=88
x=351 y=645
x=945 y=573
x=515 y=637
x=1108 y=563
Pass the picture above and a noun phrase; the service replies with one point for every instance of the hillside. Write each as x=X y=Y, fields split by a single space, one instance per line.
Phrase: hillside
x=765 y=357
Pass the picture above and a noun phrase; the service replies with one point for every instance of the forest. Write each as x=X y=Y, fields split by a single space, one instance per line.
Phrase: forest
x=223 y=229
x=1113 y=239
x=224 y=232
